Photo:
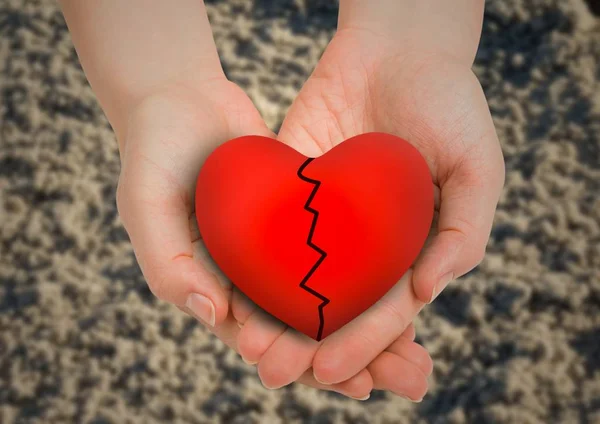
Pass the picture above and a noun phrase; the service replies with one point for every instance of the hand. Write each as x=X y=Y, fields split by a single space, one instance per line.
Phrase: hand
x=284 y=355
x=365 y=82
x=168 y=136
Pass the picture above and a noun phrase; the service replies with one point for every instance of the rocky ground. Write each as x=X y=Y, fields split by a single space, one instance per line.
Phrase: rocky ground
x=83 y=340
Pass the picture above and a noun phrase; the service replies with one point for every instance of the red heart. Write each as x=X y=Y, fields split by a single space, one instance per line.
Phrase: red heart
x=315 y=242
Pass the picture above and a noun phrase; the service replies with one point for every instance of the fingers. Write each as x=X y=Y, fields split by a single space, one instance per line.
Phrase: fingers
x=394 y=373
x=257 y=334
x=164 y=252
x=287 y=359
x=351 y=348
x=157 y=218
x=468 y=200
x=413 y=353
x=285 y=356
x=227 y=331
x=406 y=361
x=241 y=307
x=358 y=387
x=400 y=371
x=410 y=332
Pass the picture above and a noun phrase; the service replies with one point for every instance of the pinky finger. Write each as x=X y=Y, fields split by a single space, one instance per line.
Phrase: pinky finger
x=241 y=307
x=401 y=377
x=409 y=333
x=358 y=387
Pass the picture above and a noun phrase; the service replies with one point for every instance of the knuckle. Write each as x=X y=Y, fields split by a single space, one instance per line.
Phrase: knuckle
x=247 y=347
x=390 y=309
x=325 y=367
x=157 y=283
x=464 y=228
x=419 y=384
x=422 y=358
x=478 y=255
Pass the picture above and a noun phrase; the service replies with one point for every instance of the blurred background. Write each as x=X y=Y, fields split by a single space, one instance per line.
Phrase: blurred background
x=82 y=340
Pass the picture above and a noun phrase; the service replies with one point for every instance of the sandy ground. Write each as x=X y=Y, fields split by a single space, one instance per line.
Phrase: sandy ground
x=83 y=340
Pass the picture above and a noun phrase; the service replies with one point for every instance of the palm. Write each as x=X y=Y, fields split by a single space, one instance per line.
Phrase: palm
x=359 y=86
x=362 y=83
x=169 y=136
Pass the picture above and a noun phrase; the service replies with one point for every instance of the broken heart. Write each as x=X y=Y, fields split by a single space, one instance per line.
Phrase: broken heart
x=315 y=242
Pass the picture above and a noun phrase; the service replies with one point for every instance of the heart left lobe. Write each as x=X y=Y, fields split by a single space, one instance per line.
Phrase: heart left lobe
x=250 y=211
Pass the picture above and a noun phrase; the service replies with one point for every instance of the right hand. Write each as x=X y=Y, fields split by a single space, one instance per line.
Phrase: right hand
x=168 y=136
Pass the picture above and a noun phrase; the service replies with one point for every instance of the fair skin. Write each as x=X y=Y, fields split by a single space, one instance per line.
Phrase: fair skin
x=401 y=67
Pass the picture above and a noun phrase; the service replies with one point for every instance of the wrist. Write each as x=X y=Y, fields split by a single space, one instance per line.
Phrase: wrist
x=183 y=94
x=131 y=49
x=432 y=27
x=126 y=102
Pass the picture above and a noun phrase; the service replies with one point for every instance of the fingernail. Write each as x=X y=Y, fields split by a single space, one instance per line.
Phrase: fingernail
x=249 y=362
x=411 y=400
x=362 y=398
x=202 y=307
x=441 y=285
x=319 y=381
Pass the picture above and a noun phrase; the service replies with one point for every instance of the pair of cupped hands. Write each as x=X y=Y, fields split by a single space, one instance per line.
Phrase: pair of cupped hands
x=361 y=84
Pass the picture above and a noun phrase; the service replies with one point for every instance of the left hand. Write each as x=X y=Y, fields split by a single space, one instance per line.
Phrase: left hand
x=365 y=83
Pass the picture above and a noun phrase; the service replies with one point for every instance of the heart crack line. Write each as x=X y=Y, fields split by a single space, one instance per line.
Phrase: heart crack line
x=309 y=242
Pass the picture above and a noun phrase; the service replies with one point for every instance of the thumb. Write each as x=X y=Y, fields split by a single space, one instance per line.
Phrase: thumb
x=468 y=200
x=157 y=218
